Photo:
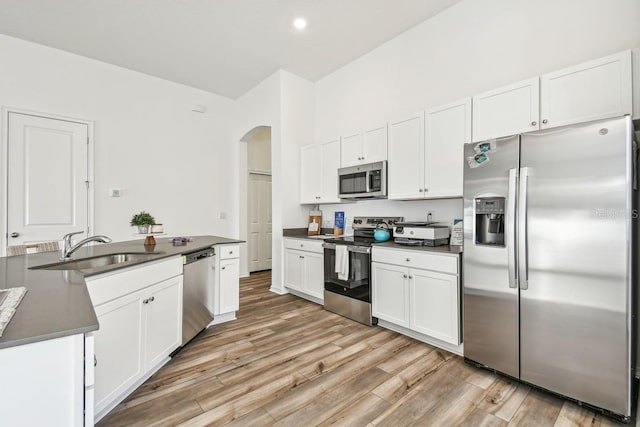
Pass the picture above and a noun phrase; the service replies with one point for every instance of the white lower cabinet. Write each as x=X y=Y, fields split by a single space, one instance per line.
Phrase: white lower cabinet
x=139 y=310
x=304 y=268
x=42 y=383
x=227 y=283
x=418 y=292
x=434 y=305
x=390 y=293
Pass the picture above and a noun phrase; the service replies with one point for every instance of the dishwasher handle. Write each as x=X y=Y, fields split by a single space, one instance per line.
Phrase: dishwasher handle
x=199 y=255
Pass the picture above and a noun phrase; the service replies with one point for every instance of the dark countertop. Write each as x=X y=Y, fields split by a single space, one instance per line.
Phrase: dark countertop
x=390 y=244
x=57 y=302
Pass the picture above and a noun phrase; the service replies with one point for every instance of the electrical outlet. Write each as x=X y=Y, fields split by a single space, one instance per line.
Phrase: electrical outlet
x=431 y=216
x=115 y=192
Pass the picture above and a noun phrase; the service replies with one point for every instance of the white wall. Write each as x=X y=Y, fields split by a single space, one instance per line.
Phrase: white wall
x=469 y=48
x=285 y=103
x=167 y=159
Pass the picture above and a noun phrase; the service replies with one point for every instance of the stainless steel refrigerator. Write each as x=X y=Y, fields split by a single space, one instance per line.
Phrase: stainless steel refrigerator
x=547 y=263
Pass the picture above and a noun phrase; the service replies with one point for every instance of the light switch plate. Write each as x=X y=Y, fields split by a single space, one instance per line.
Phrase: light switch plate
x=115 y=192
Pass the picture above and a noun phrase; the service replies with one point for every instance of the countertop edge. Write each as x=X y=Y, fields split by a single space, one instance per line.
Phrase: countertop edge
x=18 y=269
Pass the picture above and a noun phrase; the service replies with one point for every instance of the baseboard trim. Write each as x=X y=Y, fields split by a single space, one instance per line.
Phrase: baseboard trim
x=455 y=349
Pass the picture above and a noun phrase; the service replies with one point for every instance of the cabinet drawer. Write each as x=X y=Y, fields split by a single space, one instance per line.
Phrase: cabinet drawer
x=304 y=245
x=416 y=259
x=229 y=251
x=108 y=286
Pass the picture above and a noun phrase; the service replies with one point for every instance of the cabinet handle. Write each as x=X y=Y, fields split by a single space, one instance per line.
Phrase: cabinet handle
x=95 y=361
x=223 y=268
x=426 y=189
x=404 y=275
x=534 y=123
x=408 y=259
x=301 y=257
x=152 y=299
x=421 y=190
x=230 y=252
x=410 y=277
x=145 y=301
x=545 y=121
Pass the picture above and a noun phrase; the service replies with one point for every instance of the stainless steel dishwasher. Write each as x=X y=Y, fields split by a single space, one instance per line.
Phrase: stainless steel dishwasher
x=197 y=290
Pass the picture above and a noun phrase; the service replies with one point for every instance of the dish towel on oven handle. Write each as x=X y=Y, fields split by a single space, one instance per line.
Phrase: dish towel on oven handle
x=342 y=262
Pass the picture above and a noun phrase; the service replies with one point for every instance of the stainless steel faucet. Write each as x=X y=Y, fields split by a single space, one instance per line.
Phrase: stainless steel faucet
x=67 y=248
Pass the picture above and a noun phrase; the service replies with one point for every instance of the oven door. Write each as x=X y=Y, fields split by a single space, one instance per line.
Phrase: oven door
x=358 y=283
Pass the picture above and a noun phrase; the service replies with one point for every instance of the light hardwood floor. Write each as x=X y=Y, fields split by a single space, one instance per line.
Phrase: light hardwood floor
x=287 y=362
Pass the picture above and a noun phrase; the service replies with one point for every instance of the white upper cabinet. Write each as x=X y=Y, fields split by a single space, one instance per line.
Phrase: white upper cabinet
x=351 y=150
x=406 y=157
x=319 y=165
x=330 y=154
x=447 y=129
x=368 y=146
x=593 y=90
x=310 y=174
x=426 y=152
x=374 y=144
x=506 y=111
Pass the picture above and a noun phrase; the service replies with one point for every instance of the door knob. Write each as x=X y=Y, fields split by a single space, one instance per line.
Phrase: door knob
x=14 y=234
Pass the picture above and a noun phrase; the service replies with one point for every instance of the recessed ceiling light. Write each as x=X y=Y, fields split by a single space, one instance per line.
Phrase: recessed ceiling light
x=300 y=23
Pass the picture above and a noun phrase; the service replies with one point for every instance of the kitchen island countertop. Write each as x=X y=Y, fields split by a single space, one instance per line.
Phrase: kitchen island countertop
x=57 y=302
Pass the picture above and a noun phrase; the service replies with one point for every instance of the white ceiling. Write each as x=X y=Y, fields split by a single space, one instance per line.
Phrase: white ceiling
x=221 y=46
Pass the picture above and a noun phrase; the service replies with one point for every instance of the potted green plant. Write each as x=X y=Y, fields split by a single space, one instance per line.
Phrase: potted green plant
x=143 y=221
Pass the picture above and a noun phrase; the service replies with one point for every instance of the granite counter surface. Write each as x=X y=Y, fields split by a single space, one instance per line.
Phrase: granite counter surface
x=57 y=302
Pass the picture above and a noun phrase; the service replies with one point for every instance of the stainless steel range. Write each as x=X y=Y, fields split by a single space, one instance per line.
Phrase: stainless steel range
x=347 y=269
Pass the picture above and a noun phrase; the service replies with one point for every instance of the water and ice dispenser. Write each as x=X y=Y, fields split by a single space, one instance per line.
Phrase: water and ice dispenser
x=489 y=221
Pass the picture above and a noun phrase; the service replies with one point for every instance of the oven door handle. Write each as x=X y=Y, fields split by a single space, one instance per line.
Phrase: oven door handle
x=329 y=245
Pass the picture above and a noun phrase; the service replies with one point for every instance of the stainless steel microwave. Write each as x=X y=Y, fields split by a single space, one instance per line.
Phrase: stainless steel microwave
x=367 y=181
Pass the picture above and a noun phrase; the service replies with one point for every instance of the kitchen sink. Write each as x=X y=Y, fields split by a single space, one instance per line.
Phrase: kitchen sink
x=99 y=261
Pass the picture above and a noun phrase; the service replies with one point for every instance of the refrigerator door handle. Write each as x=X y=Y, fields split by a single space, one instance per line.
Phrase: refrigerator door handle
x=523 y=254
x=511 y=228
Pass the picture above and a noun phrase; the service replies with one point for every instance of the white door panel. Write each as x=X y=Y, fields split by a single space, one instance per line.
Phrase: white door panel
x=260 y=224
x=47 y=178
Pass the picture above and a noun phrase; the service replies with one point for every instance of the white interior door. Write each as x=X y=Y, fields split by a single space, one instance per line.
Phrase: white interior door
x=47 y=178
x=260 y=227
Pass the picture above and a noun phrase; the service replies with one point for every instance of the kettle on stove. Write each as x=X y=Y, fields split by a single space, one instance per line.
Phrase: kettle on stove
x=381 y=234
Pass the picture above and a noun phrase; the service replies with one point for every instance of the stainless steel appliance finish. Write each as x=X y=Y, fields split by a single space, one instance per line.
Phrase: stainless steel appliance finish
x=552 y=305
x=352 y=297
x=197 y=289
x=367 y=181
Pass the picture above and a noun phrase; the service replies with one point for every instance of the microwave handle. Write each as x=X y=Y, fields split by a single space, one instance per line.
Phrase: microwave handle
x=368 y=182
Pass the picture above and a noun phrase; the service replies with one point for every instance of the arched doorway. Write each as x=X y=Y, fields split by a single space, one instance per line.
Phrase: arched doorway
x=258 y=207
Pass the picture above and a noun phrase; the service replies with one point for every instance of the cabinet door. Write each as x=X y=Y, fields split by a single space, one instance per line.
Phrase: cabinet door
x=506 y=111
x=374 y=144
x=118 y=347
x=594 y=90
x=330 y=163
x=293 y=269
x=406 y=158
x=435 y=305
x=163 y=320
x=351 y=150
x=310 y=174
x=390 y=293
x=447 y=129
x=314 y=274
x=229 y=285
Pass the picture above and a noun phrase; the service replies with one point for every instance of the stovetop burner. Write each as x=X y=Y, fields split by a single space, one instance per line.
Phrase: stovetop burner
x=363 y=229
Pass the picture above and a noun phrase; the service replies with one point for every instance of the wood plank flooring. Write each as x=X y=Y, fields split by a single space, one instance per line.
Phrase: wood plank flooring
x=287 y=362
